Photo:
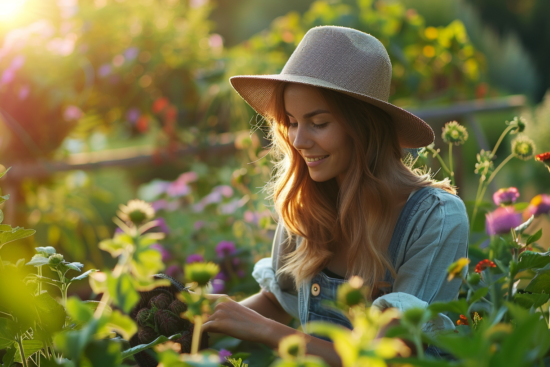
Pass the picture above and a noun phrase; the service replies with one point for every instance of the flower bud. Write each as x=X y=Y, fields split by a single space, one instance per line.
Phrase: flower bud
x=177 y=307
x=162 y=301
x=55 y=259
x=454 y=133
x=201 y=273
x=523 y=148
x=474 y=278
x=518 y=125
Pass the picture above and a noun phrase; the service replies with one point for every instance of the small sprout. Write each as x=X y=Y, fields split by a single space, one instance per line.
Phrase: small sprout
x=454 y=133
x=505 y=197
x=136 y=211
x=456 y=268
x=523 y=148
x=201 y=273
x=477 y=319
x=292 y=347
x=55 y=259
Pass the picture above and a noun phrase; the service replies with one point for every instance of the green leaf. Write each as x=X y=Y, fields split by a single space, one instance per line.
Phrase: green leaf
x=30 y=346
x=4 y=198
x=3 y=173
x=521 y=206
x=147 y=262
x=52 y=314
x=343 y=342
x=9 y=357
x=46 y=251
x=15 y=234
x=38 y=260
x=522 y=227
x=122 y=292
x=104 y=353
x=529 y=300
x=5 y=228
x=478 y=294
x=533 y=260
x=83 y=275
x=7 y=333
x=75 y=266
x=78 y=310
x=73 y=343
x=1 y=216
x=534 y=238
x=540 y=283
x=458 y=306
x=122 y=324
x=141 y=347
x=116 y=245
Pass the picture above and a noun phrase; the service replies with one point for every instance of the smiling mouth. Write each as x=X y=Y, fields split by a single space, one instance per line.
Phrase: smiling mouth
x=315 y=159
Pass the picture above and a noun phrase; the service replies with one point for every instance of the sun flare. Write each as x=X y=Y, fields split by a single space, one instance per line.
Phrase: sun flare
x=9 y=8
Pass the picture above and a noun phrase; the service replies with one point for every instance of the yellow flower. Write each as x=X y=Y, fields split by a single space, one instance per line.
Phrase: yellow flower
x=136 y=211
x=292 y=347
x=456 y=268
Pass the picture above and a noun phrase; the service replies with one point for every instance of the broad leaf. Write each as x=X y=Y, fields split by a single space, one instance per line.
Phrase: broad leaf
x=16 y=234
x=46 y=251
x=83 y=275
x=5 y=228
x=343 y=341
x=38 y=260
x=478 y=294
x=116 y=245
x=52 y=314
x=458 y=306
x=534 y=238
x=4 y=198
x=122 y=291
x=104 y=353
x=7 y=333
x=141 y=347
x=1 y=216
x=79 y=311
x=533 y=260
x=9 y=357
x=540 y=283
x=122 y=324
x=529 y=300
x=75 y=266
x=30 y=346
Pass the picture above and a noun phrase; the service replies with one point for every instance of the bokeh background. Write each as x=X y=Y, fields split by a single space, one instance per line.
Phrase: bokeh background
x=103 y=101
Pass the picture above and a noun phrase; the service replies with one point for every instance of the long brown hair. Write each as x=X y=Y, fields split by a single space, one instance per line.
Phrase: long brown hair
x=358 y=213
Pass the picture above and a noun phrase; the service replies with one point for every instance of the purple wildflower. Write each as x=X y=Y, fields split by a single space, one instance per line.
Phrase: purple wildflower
x=178 y=188
x=506 y=196
x=225 y=248
x=159 y=204
x=132 y=115
x=195 y=258
x=225 y=190
x=174 y=271
x=218 y=286
x=222 y=276
x=118 y=231
x=540 y=204
x=224 y=353
x=250 y=217
x=166 y=255
x=161 y=223
x=502 y=220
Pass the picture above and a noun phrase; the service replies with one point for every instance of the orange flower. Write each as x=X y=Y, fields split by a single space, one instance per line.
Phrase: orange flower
x=463 y=320
x=484 y=264
x=159 y=104
x=544 y=157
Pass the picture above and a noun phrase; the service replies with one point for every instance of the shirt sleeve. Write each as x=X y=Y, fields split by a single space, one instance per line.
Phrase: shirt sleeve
x=265 y=270
x=438 y=237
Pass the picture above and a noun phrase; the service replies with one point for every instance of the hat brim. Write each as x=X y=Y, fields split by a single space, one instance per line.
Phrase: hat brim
x=257 y=90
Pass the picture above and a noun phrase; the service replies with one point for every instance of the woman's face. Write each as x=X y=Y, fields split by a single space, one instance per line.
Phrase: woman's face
x=316 y=133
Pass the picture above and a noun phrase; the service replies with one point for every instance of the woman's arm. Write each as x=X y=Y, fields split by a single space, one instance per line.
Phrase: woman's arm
x=241 y=322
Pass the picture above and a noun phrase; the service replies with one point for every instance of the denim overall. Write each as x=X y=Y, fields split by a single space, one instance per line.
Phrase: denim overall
x=313 y=295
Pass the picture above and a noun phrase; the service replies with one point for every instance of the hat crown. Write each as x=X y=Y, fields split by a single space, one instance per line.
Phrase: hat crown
x=345 y=57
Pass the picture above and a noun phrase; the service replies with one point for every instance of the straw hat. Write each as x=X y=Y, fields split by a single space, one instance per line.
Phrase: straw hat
x=345 y=60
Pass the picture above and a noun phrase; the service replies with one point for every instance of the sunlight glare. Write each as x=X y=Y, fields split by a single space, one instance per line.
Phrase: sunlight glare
x=9 y=8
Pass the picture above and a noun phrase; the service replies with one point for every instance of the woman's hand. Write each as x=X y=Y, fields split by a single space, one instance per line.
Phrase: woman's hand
x=233 y=319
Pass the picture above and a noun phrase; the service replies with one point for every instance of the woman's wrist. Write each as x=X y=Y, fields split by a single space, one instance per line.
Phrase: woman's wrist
x=272 y=332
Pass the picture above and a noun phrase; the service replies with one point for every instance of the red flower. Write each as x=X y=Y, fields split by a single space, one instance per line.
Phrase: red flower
x=543 y=157
x=463 y=320
x=484 y=264
x=160 y=104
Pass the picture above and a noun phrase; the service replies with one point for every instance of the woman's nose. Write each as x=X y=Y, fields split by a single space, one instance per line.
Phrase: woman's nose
x=302 y=140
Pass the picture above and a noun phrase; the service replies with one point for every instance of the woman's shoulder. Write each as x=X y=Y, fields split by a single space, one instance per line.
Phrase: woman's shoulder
x=439 y=206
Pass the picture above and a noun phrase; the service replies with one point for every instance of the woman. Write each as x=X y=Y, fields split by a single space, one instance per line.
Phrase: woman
x=346 y=202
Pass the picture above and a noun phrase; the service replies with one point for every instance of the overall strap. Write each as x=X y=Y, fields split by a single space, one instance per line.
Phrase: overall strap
x=408 y=211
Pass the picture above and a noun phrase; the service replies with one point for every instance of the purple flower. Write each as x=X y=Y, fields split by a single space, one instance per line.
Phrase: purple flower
x=502 y=220
x=166 y=255
x=506 y=196
x=188 y=176
x=118 y=231
x=225 y=190
x=195 y=258
x=178 y=188
x=224 y=353
x=131 y=53
x=72 y=113
x=218 y=286
x=240 y=273
x=225 y=248
x=104 y=70
x=159 y=204
x=132 y=115
x=161 y=223
x=540 y=204
x=222 y=276
x=173 y=271
x=7 y=76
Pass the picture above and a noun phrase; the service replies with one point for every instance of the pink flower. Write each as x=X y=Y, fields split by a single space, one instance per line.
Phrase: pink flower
x=178 y=188
x=223 y=354
x=72 y=113
x=502 y=220
x=540 y=204
x=159 y=204
x=195 y=258
x=188 y=176
x=225 y=248
x=173 y=271
x=506 y=196
x=218 y=286
x=161 y=223
x=24 y=92
x=225 y=190
x=166 y=255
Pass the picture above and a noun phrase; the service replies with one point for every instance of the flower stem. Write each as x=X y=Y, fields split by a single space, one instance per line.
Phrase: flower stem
x=196 y=334
x=500 y=139
x=436 y=155
x=476 y=204
x=451 y=163
x=494 y=174
x=20 y=342
x=544 y=316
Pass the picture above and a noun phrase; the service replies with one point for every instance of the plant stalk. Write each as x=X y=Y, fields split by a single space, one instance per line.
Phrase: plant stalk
x=20 y=342
x=451 y=163
x=504 y=133
x=196 y=334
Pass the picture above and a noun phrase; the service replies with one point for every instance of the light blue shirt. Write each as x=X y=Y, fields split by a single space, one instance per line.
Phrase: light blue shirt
x=435 y=236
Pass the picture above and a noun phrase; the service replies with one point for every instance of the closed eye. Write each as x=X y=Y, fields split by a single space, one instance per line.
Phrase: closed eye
x=316 y=126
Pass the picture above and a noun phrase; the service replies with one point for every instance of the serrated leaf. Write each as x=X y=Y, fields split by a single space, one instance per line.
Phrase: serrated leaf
x=533 y=260
x=30 y=346
x=46 y=251
x=529 y=300
x=534 y=238
x=15 y=234
x=141 y=347
x=38 y=260
x=7 y=333
x=83 y=275
x=122 y=324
